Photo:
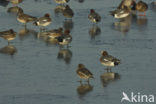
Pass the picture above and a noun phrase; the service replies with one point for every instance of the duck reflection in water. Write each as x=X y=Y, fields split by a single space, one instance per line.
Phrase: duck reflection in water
x=25 y=32
x=80 y=1
x=8 y=50
x=94 y=31
x=65 y=54
x=123 y=25
x=83 y=89
x=142 y=21
x=14 y=10
x=68 y=24
x=108 y=77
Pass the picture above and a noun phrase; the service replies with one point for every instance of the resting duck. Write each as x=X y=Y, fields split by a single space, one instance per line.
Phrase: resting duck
x=83 y=72
x=142 y=7
x=126 y=3
x=65 y=38
x=120 y=13
x=15 y=2
x=61 y=1
x=108 y=60
x=43 y=21
x=68 y=12
x=94 y=17
x=25 y=18
x=53 y=34
x=8 y=35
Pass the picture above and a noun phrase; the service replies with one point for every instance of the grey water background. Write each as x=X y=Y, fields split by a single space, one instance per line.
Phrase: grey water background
x=35 y=75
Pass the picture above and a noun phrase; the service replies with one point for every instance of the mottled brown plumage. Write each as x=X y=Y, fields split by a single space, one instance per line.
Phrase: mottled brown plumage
x=8 y=35
x=141 y=7
x=83 y=72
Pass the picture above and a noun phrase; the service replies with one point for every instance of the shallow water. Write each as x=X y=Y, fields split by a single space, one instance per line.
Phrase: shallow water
x=36 y=73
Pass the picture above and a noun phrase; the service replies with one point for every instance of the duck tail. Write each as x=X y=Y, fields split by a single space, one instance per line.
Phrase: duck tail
x=35 y=23
x=112 y=13
x=117 y=62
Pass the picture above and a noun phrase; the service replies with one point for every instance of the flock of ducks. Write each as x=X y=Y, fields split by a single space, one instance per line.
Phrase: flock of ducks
x=63 y=37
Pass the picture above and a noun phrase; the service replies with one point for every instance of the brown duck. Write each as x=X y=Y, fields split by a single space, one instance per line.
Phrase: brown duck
x=142 y=7
x=83 y=72
x=8 y=35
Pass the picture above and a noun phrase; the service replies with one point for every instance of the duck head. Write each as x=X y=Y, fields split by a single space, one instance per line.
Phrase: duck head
x=92 y=11
x=104 y=53
x=47 y=15
x=81 y=66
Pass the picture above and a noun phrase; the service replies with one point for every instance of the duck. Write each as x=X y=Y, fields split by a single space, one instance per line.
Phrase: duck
x=8 y=35
x=15 y=2
x=120 y=13
x=61 y=1
x=25 y=18
x=43 y=21
x=125 y=3
x=15 y=10
x=65 y=38
x=108 y=60
x=68 y=12
x=59 y=9
x=94 y=17
x=83 y=72
x=142 y=7
x=55 y=33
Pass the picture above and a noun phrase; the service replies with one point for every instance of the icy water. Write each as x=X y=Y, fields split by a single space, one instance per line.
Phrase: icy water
x=37 y=73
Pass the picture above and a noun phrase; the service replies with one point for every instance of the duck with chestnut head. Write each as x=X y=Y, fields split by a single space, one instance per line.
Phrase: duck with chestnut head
x=94 y=17
x=108 y=60
x=65 y=38
x=83 y=72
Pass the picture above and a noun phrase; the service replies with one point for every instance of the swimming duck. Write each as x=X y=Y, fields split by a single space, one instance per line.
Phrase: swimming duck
x=65 y=38
x=43 y=21
x=94 y=17
x=55 y=33
x=15 y=2
x=61 y=1
x=142 y=7
x=83 y=72
x=25 y=18
x=108 y=60
x=68 y=12
x=120 y=13
x=8 y=35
